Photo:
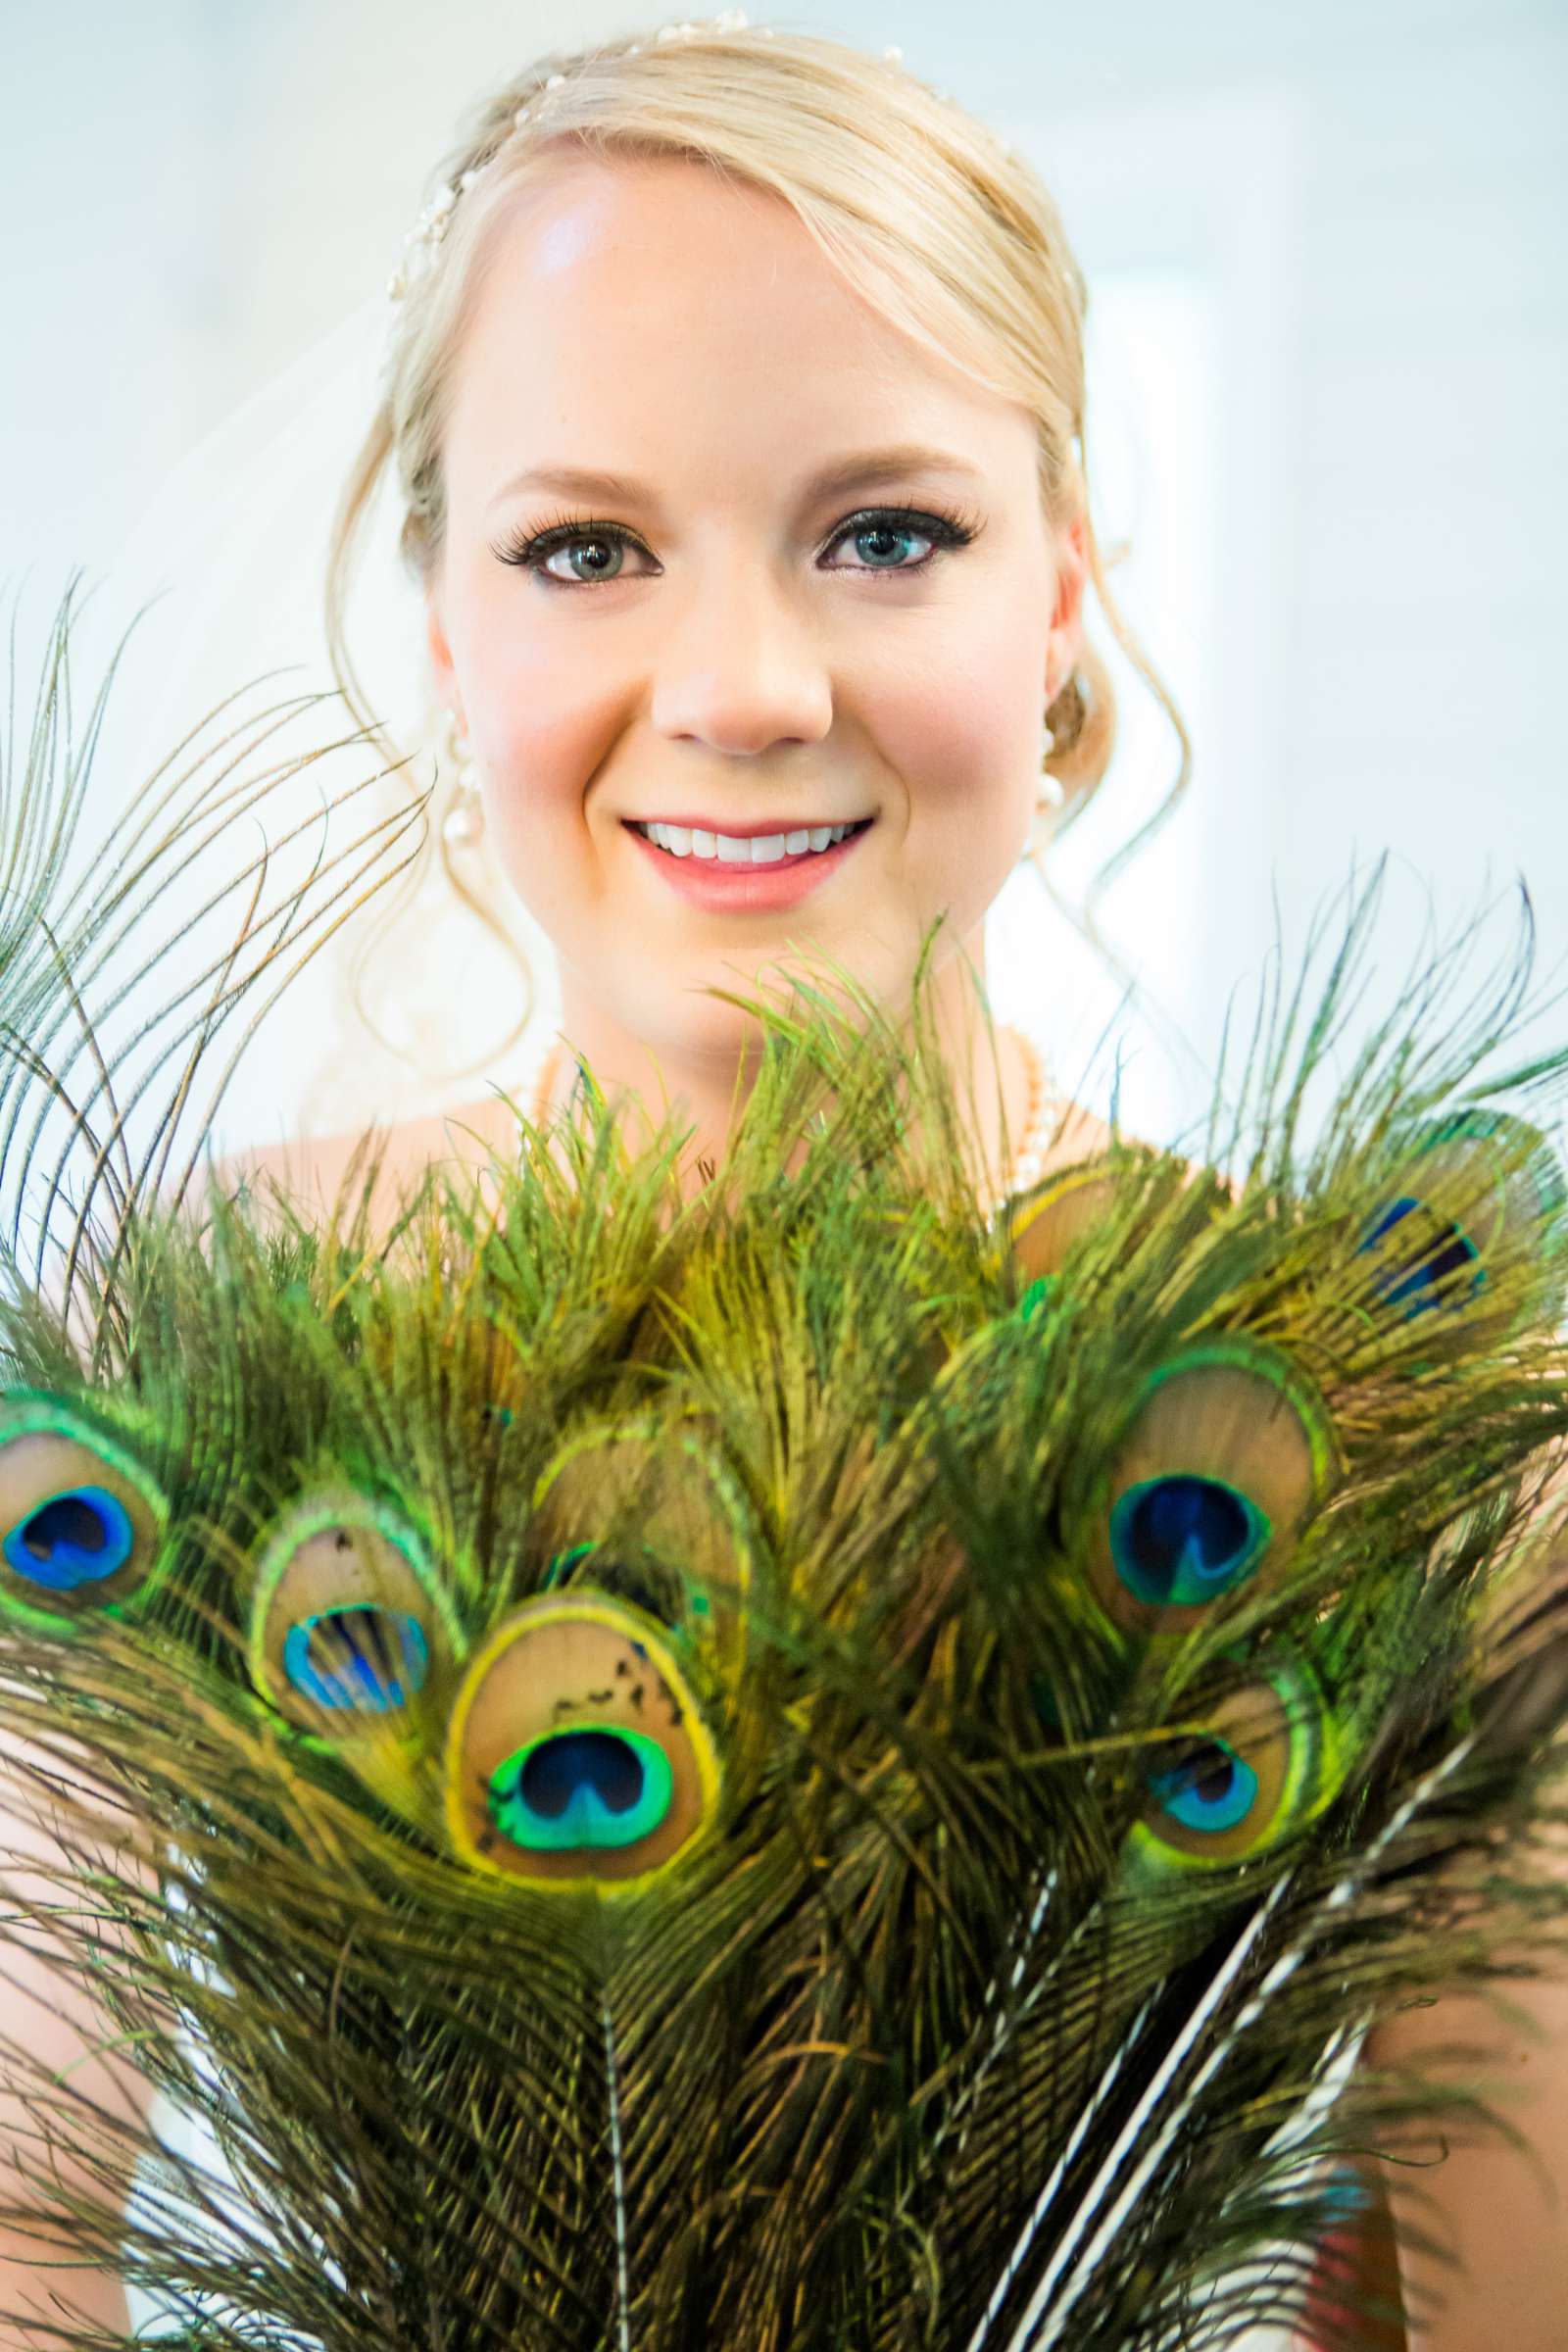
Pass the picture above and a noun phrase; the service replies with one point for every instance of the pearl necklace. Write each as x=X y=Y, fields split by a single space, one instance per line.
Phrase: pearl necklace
x=1045 y=1109
x=1028 y=1161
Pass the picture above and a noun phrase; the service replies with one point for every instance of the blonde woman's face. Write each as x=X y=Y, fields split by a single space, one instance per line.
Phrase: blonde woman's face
x=718 y=632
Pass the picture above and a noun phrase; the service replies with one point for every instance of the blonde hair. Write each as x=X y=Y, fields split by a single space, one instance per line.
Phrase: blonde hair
x=949 y=236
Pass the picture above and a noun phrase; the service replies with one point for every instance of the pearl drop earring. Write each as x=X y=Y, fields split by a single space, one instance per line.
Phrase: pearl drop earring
x=1052 y=792
x=463 y=825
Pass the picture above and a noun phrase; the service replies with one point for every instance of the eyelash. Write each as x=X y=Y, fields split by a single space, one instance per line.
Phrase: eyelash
x=949 y=528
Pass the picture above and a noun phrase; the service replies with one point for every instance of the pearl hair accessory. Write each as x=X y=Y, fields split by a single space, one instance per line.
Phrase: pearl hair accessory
x=1028 y=1160
x=428 y=232
x=425 y=239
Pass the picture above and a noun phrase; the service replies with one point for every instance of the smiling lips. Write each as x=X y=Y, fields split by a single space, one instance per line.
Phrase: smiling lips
x=750 y=848
x=772 y=824
x=720 y=871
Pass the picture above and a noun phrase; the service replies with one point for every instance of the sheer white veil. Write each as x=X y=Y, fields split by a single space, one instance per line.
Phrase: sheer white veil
x=222 y=584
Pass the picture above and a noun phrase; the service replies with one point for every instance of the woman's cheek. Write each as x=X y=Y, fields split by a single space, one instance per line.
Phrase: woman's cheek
x=535 y=803
x=523 y=696
x=539 y=752
x=971 y=783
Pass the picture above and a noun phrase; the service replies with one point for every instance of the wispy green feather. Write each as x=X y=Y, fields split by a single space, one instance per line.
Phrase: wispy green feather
x=939 y=2024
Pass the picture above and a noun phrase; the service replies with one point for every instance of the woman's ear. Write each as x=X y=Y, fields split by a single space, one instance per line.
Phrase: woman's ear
x=1065 y=639
x=441 y=665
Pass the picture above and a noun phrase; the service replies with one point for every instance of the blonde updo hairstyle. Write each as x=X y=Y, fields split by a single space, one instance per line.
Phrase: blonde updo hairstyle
x=945 y=231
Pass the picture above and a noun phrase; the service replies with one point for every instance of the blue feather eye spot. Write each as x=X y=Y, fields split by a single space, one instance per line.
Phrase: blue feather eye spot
x=350 y=1622
x=1212 y=1790
x=563 y=1563
x=1226 y=1451
x=576 y=1751
x=78 y=1538
x=1264 y=1759
x=648 y=1584
x=362 y=1658
x=1433 y=1263
x=1181 y=1540
x=83 y=1528
x=648 y=1510
x=594 y=1789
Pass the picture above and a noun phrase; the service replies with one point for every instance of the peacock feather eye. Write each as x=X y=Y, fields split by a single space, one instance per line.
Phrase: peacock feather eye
x=576 y=1753
x=1480 y=1188
x=1047 y=1225
x=566 y=1791
x=84 y=1524
x=1227 y=1451
x=1180 y=1540
x=1421 y=1260
x=1270 y=1757
x=349 y=1626
x=362 y=1655
x=1212 y=1791
x=648 y=1510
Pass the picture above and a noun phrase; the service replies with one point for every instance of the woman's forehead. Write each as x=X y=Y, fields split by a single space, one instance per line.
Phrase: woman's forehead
x=583 y=215
x=625 y=302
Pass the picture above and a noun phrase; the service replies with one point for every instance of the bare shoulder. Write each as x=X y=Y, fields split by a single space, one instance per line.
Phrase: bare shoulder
x=1079 y=1136
x=315 y=1171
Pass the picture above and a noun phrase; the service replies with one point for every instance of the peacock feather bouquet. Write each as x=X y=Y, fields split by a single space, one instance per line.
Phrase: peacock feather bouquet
x=780 y=1766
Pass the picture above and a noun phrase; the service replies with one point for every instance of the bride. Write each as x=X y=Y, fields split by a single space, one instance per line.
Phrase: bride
x=752 y=577
x=733 y=410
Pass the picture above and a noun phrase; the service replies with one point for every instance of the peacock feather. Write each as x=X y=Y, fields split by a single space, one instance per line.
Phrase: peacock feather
x=786 y=1765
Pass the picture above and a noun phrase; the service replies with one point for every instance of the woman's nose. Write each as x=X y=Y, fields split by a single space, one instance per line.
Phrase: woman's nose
x=740 y=672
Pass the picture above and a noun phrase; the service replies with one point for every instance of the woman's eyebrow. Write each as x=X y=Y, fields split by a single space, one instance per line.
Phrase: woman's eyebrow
x=857 y=470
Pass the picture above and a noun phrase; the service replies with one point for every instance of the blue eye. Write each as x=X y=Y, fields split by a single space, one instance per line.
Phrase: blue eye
x=72 y=1538
x=1425 y=1267
x=362 y=1657
x=598 y=1787
x=1181 y=1540
x=1209 y=1792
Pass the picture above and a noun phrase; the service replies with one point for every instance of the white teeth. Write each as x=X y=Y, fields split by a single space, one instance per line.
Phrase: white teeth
x=730 y=849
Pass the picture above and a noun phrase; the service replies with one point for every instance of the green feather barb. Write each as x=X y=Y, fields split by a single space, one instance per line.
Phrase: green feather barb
x=676 y=1771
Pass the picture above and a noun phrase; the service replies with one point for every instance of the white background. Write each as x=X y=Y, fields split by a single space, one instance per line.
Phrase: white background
x=1329 y=346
